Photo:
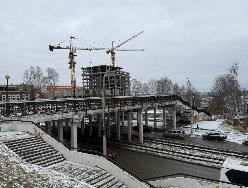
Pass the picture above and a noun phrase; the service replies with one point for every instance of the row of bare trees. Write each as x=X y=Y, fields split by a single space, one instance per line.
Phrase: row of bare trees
x=228 y=99
x=164 y=86
x=35 y=76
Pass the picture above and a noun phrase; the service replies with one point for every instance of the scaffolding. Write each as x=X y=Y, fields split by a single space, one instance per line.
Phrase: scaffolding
x=116 y=84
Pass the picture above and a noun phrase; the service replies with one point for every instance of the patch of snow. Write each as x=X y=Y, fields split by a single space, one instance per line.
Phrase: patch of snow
x=181 y=182
x=13 y=135
x=218 y=125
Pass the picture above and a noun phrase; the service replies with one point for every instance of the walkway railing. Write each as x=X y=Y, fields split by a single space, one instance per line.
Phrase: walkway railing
x=192 y=176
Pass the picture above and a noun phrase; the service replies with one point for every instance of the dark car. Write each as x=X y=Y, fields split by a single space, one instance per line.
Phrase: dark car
x=174 y=133
x=245 y=141
x=146 y=128
x=214 y=136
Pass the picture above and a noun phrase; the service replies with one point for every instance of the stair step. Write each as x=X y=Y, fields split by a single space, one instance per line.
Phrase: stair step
x=28 y=145
x=47 y=159
x=40 y=155
x=53 y=162
x=100 y=179
x=111 y=184
x=31 y=152
x=92 y=178
x=105 y=181
x=19 y=140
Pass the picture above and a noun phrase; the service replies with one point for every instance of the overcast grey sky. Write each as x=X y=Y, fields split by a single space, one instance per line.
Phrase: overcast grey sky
x=198 y=39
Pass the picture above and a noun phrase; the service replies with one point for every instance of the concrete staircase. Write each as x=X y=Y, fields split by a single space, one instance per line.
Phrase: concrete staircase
x=95 y=176
x=34 y=150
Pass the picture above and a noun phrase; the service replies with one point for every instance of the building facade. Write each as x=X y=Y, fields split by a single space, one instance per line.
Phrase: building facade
x=114 y=81
x=17 y=92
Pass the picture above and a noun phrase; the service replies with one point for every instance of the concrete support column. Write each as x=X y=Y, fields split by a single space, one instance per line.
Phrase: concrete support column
x=129 y=126
x=174 y=118
x=123 y=119
x=60 y=130
x=82 y=126
x=118 y=127
x=99 y=125
x=146 y=117
x=76 y=121
x=108 y=125
x=67 y=122
x=155 y=119
x=49 y=127
x=140 y=124
x=90 y=125
x=164 y=118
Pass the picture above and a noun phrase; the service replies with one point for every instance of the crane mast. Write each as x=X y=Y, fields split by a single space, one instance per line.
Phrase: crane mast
x=72 y=55
x=115 y=48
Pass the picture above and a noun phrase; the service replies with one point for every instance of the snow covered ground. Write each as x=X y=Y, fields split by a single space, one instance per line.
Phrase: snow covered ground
x=14 y=172
x=233 y=135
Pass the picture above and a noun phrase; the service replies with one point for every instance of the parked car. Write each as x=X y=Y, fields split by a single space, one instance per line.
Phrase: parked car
x=245 y=141
x=212 y=135
x=146 y=128
x=174 y=133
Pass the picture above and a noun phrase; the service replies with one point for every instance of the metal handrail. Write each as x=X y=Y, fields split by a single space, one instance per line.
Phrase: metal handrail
x=192 y=176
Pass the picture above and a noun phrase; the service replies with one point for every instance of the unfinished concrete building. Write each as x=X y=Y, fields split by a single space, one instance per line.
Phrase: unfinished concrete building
x=115 y=81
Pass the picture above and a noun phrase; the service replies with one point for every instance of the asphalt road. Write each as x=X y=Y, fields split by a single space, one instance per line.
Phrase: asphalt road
x=194 y=140
x=147 y=166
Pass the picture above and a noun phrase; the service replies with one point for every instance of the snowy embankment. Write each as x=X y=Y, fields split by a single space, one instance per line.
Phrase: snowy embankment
x=14 y=172
x=233 y=135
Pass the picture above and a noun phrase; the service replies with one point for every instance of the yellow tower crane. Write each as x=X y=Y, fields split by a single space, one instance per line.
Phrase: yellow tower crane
x=72 y=55
x=115 y=48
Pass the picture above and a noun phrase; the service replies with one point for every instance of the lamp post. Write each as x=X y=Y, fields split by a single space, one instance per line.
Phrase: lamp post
x=21 y=95
x=191 y=102
x=7 y=95
x=104 y=142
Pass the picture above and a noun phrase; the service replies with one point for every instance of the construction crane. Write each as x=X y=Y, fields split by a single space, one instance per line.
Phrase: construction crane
x=72 y=55
x=115 y=48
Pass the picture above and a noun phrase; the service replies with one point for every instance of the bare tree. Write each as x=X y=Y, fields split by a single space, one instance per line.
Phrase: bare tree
x=226 y=93
x=34 y=76
x=136 y=87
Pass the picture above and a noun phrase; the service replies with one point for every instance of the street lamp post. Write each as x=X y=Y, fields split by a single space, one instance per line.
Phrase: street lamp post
x=104 y=142
x=191 y=102
x=7 y=95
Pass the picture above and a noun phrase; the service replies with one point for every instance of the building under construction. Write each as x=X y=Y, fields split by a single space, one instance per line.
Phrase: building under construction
x=115 y=81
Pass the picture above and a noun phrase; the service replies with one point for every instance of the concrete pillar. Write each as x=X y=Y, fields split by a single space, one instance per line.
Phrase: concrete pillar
x=140 y=124
x=108 y=125
x=122 y=120
x=60 y=130
x=174 y=118
x=99 y=125
x=90 y=125
x=146 y=117
x=49 y=127
x=164 y=118
x=155 y=119
x=82 y=126
x=67 y=122
x=129 y=126
x=76 y=121
x=118 y=127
